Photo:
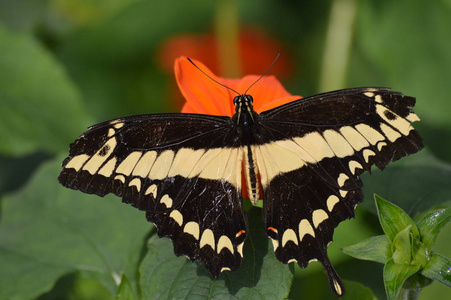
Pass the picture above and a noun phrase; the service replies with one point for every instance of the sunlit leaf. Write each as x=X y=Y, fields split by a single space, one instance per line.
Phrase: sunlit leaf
x=47 y=231
x=438 y=268
x=393 y=219
x=431 y=225
x=376 y=248
x=394 y=277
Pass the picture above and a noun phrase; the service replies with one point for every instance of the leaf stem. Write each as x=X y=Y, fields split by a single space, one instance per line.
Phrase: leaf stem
x=227 y=34
x=409 y=294
x=337 y=45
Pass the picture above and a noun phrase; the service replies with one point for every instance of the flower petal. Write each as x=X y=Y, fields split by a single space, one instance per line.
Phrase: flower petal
x=203 y=95
x=277 y=102
x=268 y=92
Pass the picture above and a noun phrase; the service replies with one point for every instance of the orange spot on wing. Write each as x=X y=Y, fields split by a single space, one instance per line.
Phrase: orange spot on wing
x=240 y=233
x=273 y=229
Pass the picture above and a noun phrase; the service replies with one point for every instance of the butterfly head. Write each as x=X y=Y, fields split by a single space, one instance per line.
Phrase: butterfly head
x=244 y=111
x=243 y=104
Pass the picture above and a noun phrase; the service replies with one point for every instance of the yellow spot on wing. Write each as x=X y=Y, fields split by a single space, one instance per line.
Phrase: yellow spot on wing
x=184 y=162
x=162 y=165
x=391 y=134
x=94 y=163
x=338 y=143
x=207 y=238
x=331 y=201
x=316 y=146
x=224 y=242
x=337 y=287
x=342 y=178
x=135 y=182
x=177 y=216
x=144 y=164
x=275 y=244
x=367 y=153
x=108 y=168
x=239 y=248
x=372 y=135
x=353 y=165
x=412 y=117
x=305 y=228
x=120 y=178
x=192 y=228
x=289 y=235
x=167 y=201
x=77 y=162
x=380 y=145
x=354 y=138
x=401 y=124
x=318 y=216
x=152 y=190
x=129 y=163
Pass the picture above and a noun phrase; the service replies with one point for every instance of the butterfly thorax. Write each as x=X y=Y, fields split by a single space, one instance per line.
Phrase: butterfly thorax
x=245 y=119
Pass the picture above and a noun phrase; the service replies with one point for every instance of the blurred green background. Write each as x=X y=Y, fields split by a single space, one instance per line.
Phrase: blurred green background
x=65 y=65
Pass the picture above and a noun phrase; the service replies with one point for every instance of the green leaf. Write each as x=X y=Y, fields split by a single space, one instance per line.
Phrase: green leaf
x=357 y=291
x=402 y=247
x=394 y=277
x=431 y=224
x=438 y=268
x=125 y=290
x=393 y=219
x=47 y=231
x=41 y=108
x=261 y=276
x=376 y=248
x=417 y=183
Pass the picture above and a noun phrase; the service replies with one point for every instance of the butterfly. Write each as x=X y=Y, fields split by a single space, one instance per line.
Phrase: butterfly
x=303 y=158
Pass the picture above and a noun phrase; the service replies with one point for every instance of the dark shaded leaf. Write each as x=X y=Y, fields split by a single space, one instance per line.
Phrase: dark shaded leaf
x=417 y=183
x=262 y=276
x=41 y=108
x=125 y=290
x=357 y=291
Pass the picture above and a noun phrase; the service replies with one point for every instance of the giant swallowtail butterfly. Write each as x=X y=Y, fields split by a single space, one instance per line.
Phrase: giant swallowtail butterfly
x=184 y=170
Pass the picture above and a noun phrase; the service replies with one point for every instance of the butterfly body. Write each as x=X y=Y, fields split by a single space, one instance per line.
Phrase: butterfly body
x=185 y=170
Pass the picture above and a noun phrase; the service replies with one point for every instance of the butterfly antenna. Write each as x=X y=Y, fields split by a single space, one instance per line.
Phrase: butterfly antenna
x=277 y=57
x=189 y=59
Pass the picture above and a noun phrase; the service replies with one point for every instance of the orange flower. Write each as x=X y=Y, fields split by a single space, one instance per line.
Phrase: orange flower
x=254 y=47
x=204 y=96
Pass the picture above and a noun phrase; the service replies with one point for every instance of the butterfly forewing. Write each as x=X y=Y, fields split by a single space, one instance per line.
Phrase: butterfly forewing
x=311 y=170
x=183 y=170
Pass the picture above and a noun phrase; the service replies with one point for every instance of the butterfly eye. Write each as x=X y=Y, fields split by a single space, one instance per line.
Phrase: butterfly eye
x=250 y=99
x=235 y=100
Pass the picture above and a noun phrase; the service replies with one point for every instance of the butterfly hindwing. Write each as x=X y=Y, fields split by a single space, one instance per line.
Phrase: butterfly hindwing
x=183 y=170
x=311 y=169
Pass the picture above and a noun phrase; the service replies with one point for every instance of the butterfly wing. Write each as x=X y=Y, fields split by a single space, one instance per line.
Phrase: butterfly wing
x=184 y=170
x=311 y=158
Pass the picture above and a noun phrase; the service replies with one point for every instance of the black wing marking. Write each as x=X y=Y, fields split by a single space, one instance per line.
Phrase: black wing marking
x=183 y=170
x=311 y=161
